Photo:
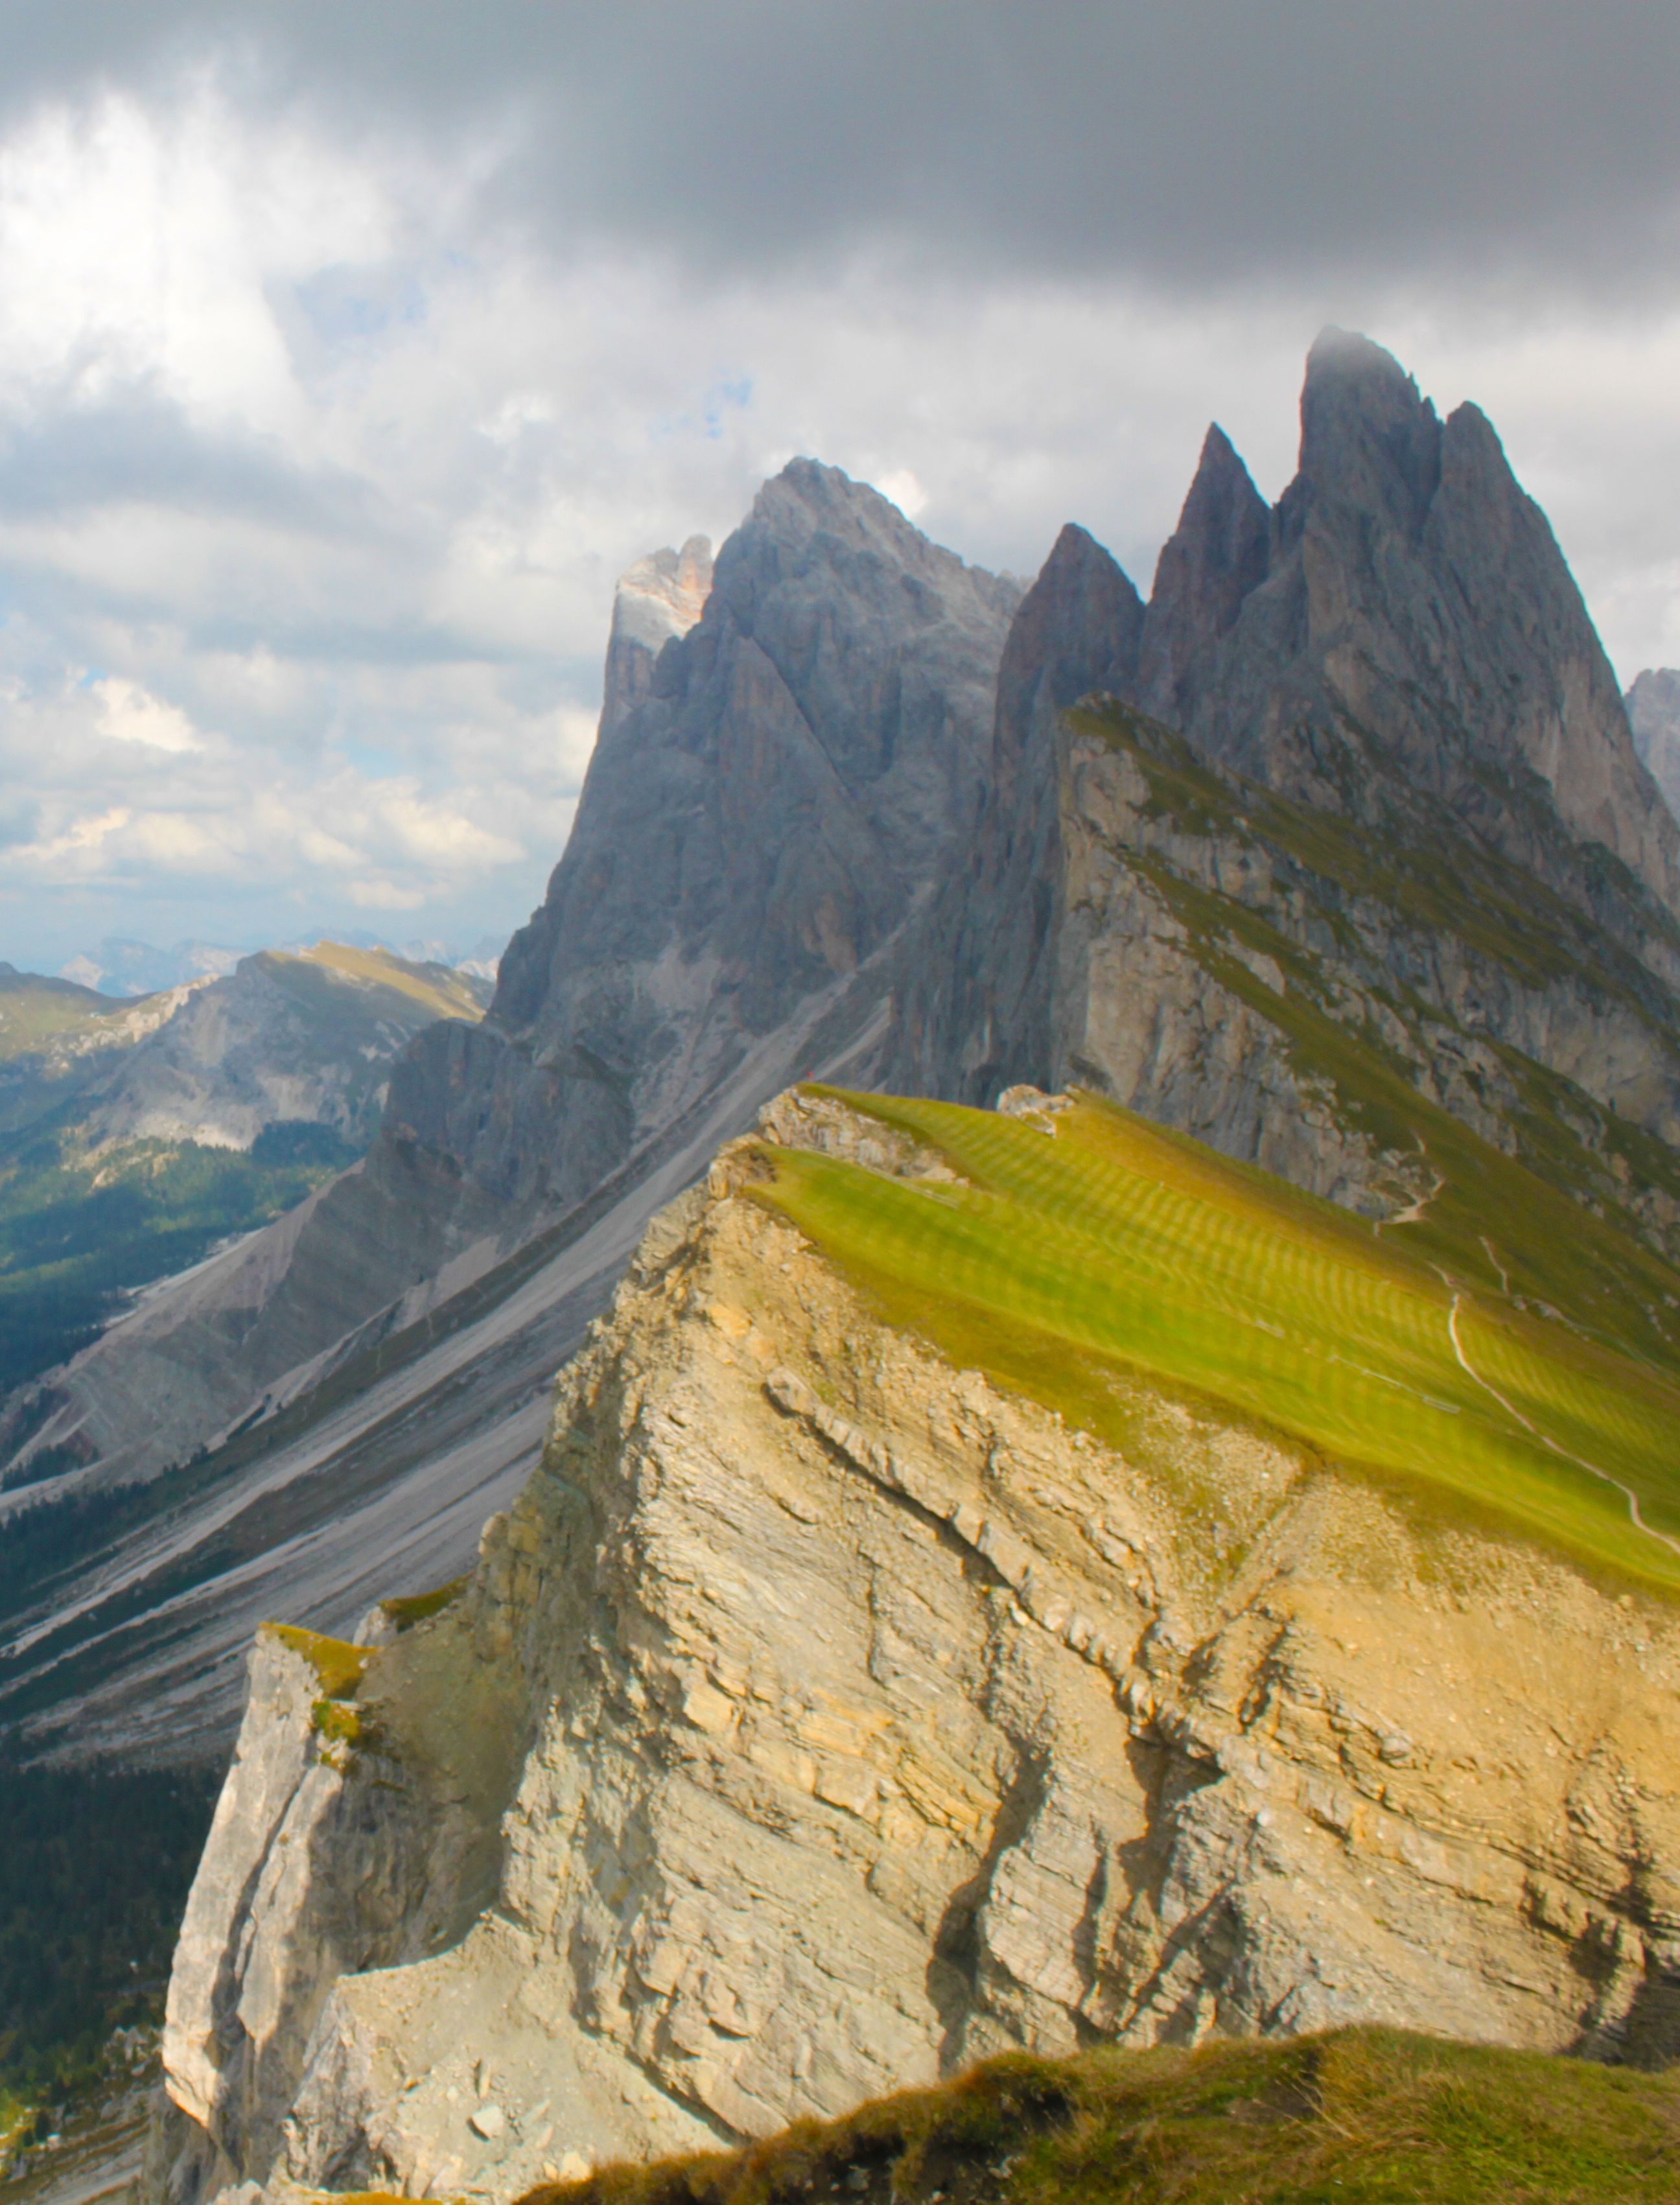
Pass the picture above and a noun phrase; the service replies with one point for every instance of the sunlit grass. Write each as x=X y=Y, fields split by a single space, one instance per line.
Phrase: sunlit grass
x=1115 y=1244
x=1361 y=2116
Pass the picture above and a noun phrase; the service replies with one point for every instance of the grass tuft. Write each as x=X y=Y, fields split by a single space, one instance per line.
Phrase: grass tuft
x=1359 y=2117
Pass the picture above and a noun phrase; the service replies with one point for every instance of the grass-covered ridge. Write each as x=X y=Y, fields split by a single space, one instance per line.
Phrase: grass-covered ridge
x=1111 y=1246
x=1361 y=2116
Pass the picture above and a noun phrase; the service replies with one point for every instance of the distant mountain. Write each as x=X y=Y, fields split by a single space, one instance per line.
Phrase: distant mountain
x=135 y=1134
x=1654 y=710
x=123 y=967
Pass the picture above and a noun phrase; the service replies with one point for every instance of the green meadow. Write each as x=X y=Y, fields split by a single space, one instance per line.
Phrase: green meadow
x=1112 y=1248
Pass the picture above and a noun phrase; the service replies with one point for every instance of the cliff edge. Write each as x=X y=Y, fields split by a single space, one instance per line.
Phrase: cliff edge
x=856 y=1690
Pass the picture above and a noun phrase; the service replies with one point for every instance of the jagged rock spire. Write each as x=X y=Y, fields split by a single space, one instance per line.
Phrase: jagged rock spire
x=1217 y=555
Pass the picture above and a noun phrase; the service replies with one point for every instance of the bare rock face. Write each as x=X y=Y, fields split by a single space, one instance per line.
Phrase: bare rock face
x=870 y=1719
x=976 y=993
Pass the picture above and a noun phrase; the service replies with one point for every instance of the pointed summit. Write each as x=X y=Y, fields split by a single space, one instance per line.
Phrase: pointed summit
x=1078 y=629
x=1217 y=555
x=1368 y=438
x=1405 y=612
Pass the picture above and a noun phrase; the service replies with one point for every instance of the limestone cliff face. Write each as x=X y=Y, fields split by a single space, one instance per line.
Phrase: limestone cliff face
x=847 y=1718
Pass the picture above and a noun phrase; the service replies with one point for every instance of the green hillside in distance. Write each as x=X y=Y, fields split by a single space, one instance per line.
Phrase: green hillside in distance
x=137 y=1133
x=35 y=1010
x=1360 y=2117
x=1086 y=1243
x=321 y=974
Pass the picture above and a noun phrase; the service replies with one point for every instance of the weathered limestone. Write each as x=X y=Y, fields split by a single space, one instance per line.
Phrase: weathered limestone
x=859 y=1720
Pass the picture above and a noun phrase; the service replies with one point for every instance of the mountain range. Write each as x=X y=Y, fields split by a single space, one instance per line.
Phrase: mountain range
x=1303 y=940
x=137 y=1133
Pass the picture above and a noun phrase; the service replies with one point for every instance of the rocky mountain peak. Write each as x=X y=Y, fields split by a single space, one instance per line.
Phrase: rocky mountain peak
x=1368 y=438
x=760 y=815
x=1079 y=628
x=1218 y=554
x=812 y=520
x=1404 y=622
x=1653 y=711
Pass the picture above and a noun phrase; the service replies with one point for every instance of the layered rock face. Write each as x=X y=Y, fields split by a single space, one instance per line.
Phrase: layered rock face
x=1381 y=818
x=847 y=1718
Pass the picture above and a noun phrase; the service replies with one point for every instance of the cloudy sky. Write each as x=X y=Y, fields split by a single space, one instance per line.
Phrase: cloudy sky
x=348 y=353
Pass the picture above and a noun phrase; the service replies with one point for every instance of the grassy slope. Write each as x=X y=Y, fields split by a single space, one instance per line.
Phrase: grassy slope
x=1363 y=2117
x=318 y=978
x=35 y=1011
x=1116 y=1247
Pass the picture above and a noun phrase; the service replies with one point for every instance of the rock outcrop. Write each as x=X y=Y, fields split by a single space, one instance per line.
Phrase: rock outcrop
x=839 y=1717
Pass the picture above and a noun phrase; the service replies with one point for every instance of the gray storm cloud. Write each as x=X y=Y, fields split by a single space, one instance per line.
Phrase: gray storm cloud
x=1211 y=141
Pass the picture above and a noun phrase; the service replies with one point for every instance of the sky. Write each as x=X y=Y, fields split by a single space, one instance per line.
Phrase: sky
x=347 y=355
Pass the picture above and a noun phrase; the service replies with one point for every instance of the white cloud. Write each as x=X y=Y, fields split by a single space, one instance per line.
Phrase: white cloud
x=384 y=895
x=130 y=714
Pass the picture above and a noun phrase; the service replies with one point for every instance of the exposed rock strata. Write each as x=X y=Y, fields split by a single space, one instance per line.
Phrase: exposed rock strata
x=868 y=1718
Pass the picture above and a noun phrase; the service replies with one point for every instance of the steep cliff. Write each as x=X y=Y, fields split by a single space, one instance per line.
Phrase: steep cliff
x=889 y=1664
